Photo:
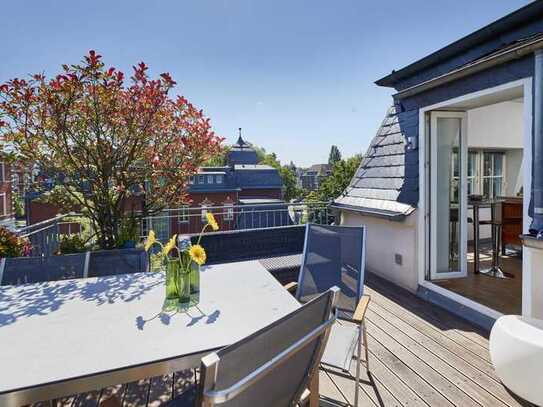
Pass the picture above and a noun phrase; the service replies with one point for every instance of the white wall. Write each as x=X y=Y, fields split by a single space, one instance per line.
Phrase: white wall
x=496 y=126
x=385 y=238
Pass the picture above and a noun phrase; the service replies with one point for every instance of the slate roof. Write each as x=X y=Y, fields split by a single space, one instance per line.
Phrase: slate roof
x=321 y=169
x=241 y=153
x=257 y=177
x=379 y=184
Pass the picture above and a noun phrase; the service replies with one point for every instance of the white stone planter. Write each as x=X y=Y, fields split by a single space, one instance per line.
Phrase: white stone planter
x=516 y=349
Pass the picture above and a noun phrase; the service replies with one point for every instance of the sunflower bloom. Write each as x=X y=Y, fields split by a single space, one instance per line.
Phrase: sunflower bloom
x=169 y=246
x=151 y=240
x=211 y=221
x=197 y=254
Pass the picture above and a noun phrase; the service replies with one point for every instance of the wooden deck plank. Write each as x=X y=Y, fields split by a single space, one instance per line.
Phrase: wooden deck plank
x=116 y=391
x=329 y=392
x=411 y=302
x=64 y=402
x=409 y=324
x=468 y=385
x=426 y=371
x=161 y=390
x=89 y=399
x=407 y=304
x=137 y=393
x=346 y=386
x=182 y=381
x=406 y=373
x=383 y=375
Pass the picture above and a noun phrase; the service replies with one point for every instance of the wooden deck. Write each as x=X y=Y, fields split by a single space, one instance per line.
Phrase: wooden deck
x=503 y=295
x=420 y=355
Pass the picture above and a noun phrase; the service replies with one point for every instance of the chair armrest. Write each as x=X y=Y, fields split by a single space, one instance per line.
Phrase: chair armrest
x=291 y=287
x=361 y=308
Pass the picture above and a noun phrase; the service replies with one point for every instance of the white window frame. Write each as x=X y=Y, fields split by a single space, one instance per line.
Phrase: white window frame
x=219 y=179
x=478 y=176
x=201 y=179
x=4 y=201
x=229 y=212
x=205 y=208
x=183 y=216
x=492 y=177
x=210 y=179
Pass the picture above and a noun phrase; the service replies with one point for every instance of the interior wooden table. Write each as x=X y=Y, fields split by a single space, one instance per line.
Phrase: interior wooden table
x=64 y=337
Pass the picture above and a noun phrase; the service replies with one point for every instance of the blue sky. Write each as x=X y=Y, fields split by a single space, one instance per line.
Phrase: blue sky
x=297 y=76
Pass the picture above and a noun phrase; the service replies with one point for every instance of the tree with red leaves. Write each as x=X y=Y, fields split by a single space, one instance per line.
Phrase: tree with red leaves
x=104 y=141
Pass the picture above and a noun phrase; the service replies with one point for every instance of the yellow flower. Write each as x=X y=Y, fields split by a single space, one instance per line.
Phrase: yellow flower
x=169 y=246
x=151 y=240
x=197 y=254
x=211 y=221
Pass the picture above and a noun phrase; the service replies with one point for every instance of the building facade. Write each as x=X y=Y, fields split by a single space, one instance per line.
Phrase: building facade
x=7 y=213
x=240 y=194
x=453 y=175
x=310 y=178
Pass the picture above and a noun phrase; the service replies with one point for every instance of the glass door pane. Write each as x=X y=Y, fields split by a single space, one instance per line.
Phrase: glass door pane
x=449 y=184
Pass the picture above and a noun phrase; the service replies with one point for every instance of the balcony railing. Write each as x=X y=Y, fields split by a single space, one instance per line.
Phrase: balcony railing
x=45 y=236
x=191 y=220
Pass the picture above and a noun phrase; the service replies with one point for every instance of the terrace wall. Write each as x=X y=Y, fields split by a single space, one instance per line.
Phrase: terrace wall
x=385 y=240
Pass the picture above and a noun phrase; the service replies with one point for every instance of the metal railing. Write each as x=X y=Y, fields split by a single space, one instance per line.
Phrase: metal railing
x=191 y=220
x=45 y=236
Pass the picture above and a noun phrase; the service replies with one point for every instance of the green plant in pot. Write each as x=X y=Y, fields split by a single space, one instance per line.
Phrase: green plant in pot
x=128 y=233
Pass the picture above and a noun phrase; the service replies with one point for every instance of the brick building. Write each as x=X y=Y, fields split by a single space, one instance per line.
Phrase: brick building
x=231 y=192
x=7 y=214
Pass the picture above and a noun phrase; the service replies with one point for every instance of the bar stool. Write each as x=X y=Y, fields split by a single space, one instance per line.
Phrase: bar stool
x=495 y=222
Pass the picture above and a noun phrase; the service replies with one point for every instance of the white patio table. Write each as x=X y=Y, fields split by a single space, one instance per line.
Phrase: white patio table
x=65 y=337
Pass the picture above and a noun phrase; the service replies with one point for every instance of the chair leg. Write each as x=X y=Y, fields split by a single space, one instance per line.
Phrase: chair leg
x=314 y=390
x=366 y=347
x=357 y=379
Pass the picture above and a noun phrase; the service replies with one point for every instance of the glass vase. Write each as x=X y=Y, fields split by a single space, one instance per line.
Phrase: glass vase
x=172 y=284
x=183 y=284
x=194 y=284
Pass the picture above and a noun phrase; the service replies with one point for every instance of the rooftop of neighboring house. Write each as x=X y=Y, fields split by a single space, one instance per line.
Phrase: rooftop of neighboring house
x=241 y=152
x=316 y=169
x=242 y=172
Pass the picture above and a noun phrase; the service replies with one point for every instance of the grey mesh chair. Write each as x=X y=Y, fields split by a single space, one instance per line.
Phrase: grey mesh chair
x=24 y=270
x=272 y=367
x=335 y=256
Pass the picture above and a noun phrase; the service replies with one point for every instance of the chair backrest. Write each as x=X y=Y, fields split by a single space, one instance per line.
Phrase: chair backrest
x=273 y=366
x=333 y=256
x=114 y=262
x=24 y=270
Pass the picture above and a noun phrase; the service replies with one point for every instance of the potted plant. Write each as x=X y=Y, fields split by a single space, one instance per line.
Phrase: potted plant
x=182 y=270
x=12 y=245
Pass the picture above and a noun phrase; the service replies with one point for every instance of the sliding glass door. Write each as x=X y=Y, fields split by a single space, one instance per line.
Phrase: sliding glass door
x=448 y=193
